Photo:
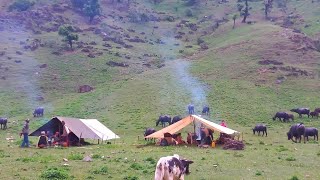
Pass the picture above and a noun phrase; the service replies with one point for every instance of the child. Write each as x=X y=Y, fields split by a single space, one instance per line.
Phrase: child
x=43 y=140
x=50 y=138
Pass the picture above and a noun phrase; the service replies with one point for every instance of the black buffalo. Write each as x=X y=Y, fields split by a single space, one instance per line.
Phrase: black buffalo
x=206 y=110
x=301 y=111
x=297 y=130
x=260 y=127
x=314 y=114
x=3 y=123
x=176 y=119
x=38 y=112
x=164 y=119
x=317 y=110
x=281 y=116
x=291 y=116
x=148 y=132
x=311 y=131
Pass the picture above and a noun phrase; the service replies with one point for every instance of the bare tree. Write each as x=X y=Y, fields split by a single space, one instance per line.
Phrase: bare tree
x=245 y=12
x=267 y=7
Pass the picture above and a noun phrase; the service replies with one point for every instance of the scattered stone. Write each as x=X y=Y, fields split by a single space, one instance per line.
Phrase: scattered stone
x=56 y=53
x=19 y=52
x=65 y=160
x=2 y=53
x=87 y=159
x=43 y=65
x=17 y=61
x=90 y=55
x=267 y=62
x=113 y=64
x=85 y=50
x=84 y=89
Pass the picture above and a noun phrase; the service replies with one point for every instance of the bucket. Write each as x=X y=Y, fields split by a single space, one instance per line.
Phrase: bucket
x=213 y=144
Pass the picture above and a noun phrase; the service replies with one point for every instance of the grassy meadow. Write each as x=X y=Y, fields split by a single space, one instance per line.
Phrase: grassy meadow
x=227 y=77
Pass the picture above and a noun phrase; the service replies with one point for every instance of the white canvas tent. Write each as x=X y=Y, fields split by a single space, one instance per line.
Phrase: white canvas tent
x=189 y=119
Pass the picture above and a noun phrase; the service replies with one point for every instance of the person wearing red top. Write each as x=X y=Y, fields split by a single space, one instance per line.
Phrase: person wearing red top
x=223 y=123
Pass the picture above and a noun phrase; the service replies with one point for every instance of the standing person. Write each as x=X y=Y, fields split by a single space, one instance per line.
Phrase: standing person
x=65 y=133
x=25 y=133
x=191 y=108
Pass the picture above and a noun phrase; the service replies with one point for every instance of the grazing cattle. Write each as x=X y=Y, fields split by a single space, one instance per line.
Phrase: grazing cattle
x=38 y=112
x=148 y=132
x=172 y=168
x=176 y=119
x=164 y=119
x=282 y=115
x=311 y=131
x=297 y=130
x=206 y=110
x=291 y=116
x=191 y=109
x=314 y=114
x=3 y=123
x=317 y=110
x=301 y=111
x=260 y=127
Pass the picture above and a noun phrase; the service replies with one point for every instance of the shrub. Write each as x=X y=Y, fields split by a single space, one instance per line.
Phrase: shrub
x=258 y=173
x=75 y=156
x=131 y=178
x=96 y=156
x=54 y=174
x=101 y=170
x=290 y=158
x=151 y=160
x=136 y=166
x=21 y=5
x=294 y=178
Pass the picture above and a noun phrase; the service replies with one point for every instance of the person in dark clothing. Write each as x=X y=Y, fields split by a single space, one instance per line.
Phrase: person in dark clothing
x=25 y=133
x=43 y=140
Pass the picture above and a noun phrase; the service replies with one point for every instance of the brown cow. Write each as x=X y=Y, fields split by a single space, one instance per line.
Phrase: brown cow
x=172 y=167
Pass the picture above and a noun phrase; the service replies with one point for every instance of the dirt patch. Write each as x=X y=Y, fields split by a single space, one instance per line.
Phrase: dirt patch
x=84 y=89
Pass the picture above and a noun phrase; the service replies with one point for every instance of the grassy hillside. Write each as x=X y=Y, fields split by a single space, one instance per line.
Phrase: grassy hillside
x=245 y=76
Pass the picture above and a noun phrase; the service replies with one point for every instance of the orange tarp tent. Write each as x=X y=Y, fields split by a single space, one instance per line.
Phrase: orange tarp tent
x=186 y=121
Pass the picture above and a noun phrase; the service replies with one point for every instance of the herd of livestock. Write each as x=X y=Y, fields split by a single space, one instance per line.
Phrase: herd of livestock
x=296 y=131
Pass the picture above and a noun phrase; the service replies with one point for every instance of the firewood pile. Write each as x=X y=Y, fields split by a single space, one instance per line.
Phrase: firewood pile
x=233 y=144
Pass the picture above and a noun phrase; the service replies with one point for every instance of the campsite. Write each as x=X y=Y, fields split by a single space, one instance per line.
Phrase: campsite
x=108 y=69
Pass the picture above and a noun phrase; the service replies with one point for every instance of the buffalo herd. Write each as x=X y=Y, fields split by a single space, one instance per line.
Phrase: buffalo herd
x=163 y=119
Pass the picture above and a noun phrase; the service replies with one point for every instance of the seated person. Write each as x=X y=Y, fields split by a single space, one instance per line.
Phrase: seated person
x=56 y=138
x=167 y=140
x=43 y=140
x=50 y=138
x=178 y=138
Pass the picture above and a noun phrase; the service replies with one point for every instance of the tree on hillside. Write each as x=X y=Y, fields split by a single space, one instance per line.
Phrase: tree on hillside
x=267 y=7
x=67 y=32
x=245 y=12
x=234 y=17
x=92 y=8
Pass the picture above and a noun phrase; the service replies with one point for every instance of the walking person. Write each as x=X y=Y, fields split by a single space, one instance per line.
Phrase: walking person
x=25 y=133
